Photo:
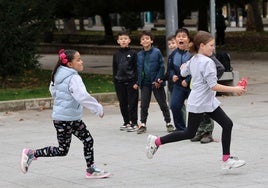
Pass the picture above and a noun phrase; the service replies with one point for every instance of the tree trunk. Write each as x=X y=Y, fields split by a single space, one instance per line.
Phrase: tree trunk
x=264 y=8
x=203 y=15
x=81 y=24
x=3 y=80
x=250 y=19
x=107 y=27
x=69 y=26
x=254 y=20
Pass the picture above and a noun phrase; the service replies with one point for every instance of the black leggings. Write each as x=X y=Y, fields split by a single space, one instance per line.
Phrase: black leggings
x=65 y=129
x=194 y=121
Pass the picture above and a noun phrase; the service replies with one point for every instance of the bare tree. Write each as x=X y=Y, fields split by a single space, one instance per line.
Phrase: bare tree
x=203 y=15
x=254 y=20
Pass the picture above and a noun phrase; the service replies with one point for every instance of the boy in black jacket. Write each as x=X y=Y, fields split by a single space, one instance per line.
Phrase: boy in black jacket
x=125 y=77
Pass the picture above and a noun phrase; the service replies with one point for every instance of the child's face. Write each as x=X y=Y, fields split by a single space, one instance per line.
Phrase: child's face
x=76 y=63
x=207 y=49
x=146 y=41
x=182 y=41
x=172 y=45
x=123 y=41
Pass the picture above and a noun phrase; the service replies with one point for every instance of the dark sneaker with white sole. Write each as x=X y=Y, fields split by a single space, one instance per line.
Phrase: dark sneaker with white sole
x=132 y=128
x=142 y=129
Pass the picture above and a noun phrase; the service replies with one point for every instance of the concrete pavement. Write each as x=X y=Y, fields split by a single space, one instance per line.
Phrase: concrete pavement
x=182 y=164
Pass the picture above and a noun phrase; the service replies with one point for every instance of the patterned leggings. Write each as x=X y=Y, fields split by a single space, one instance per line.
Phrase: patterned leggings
x=65 y=129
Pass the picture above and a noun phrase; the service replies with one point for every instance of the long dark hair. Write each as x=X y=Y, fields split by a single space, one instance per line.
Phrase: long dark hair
x=65 y=56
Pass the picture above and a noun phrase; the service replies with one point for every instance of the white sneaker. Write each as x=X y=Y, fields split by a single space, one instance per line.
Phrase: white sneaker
x=232 y=162
x=27 y=157
x=151 y=147
x=94 y=173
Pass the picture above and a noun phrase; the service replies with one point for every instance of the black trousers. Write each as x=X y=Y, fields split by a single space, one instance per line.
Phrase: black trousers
x=128 y=98
x=160 y=96
x=194 y=121
x=220 y=37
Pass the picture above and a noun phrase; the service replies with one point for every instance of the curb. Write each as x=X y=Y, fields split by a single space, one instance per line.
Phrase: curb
x=47 y=103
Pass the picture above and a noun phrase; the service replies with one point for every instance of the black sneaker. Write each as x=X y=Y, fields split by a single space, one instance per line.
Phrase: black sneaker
x=142 y=129
x=197 y=138
x=170 y=127
x=124 y=127
x=132 y=128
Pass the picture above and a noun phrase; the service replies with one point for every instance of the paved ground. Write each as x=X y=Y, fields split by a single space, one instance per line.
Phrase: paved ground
x=183 y=164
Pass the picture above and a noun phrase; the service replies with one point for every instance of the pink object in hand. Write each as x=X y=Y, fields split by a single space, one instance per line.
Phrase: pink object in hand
x=243 y=82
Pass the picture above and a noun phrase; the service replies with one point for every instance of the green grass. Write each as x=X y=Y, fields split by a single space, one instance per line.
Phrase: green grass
x=34 y=84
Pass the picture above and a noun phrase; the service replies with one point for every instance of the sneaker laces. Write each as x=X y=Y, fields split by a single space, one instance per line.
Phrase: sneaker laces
x=94 y=172
x=234 y=158
x=30 y=156
x=93 y=169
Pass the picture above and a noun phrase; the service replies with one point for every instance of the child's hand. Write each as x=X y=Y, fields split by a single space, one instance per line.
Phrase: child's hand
x=175 y=78
x=184 y=83
x=101 y=116
x=159 y=80
x=182 y=66
x=156 y=84
x=135 y=86
x=240 y=90
x=242 y=86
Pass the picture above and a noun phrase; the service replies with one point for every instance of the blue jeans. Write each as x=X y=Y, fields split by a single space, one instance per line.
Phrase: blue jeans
x=179 y=95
